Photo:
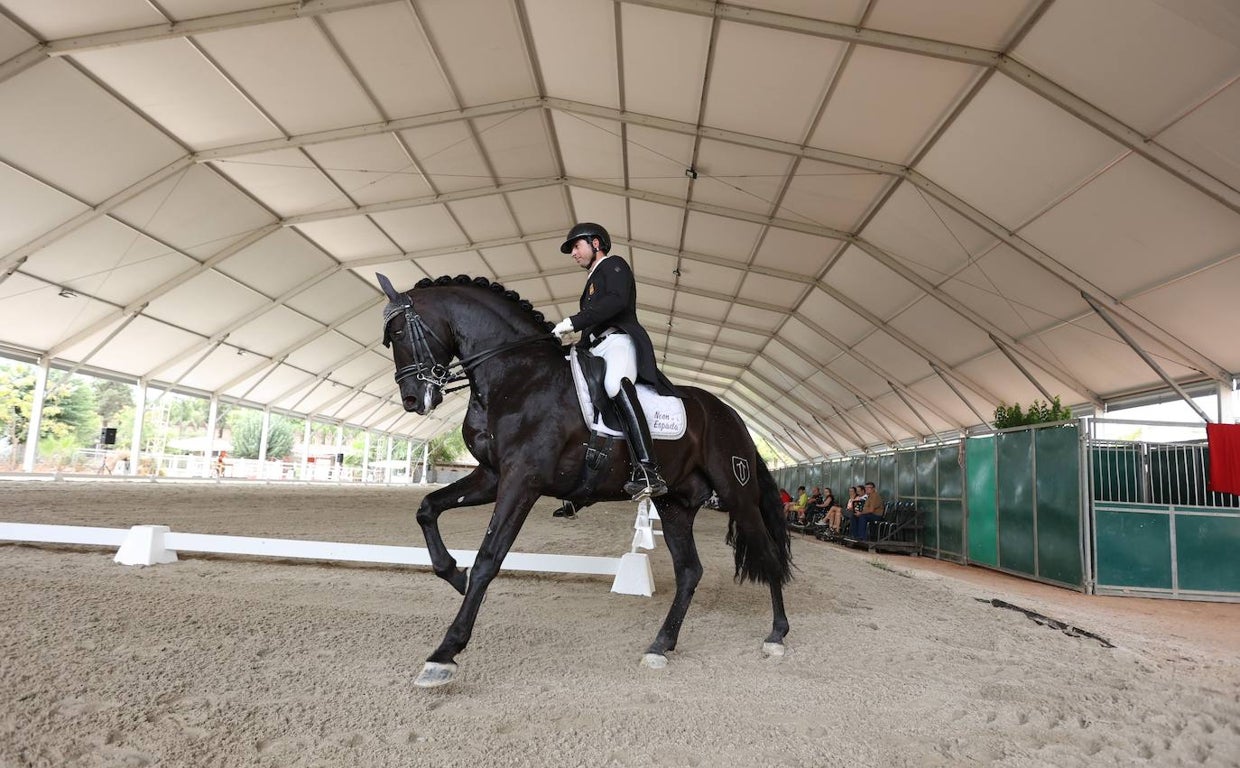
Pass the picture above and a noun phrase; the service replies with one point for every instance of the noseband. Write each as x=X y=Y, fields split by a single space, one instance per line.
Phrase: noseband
x=424 y=368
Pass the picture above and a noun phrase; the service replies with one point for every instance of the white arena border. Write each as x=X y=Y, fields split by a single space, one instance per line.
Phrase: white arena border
x=154 y=544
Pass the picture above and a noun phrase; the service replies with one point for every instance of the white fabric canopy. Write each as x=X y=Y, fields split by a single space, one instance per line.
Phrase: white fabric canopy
x=855 y=220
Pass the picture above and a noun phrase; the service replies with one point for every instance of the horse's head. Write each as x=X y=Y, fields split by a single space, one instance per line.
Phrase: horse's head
x=420 y=355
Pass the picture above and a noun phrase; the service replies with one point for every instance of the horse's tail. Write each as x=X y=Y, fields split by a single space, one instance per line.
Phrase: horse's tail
x=761 y=546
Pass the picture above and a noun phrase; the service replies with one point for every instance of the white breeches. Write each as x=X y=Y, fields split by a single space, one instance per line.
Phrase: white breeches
x=621 y=356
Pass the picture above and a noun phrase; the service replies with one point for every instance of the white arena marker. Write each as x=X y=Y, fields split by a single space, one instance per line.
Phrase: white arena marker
x=153 y=544
x=145 y=546
x=634 y=576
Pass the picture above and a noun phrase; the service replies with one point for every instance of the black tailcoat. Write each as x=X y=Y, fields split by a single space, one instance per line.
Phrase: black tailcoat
x=609 y=300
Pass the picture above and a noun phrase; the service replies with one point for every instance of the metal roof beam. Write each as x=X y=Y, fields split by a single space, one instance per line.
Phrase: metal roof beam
x=1131 y=342
x=830 y=30
x=139 y=304
x=367 y=129
x=22 y=61
x=1145 y=146
x=278 y=358
x=794 y=450
x=202 y=24
x=1068 y=276
x=420 y=202
x=756 y=373
x=10 y=262
x=976 y=320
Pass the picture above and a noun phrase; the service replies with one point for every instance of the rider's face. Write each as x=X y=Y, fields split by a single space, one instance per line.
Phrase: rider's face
x=583 y=253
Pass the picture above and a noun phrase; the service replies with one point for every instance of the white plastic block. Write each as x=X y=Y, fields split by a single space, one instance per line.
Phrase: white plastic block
x=634 y=576
x=643 y=538
x=145 y=546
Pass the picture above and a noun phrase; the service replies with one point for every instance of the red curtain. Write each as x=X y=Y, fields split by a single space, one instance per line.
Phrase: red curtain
x=1224 y=440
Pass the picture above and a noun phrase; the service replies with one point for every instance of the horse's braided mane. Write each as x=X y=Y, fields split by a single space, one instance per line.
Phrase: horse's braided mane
x=482 y=282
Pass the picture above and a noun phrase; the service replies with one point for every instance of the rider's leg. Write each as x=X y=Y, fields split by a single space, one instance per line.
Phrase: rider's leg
x=621 y=358
x=637 y=432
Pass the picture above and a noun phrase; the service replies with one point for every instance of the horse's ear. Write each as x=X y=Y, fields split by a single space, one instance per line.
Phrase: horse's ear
x=386 y=285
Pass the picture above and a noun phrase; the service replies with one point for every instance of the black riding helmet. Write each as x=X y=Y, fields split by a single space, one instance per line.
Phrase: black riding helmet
x=587 y=229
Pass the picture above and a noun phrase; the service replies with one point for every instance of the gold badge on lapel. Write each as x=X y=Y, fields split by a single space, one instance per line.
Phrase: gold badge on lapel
x=590 y=292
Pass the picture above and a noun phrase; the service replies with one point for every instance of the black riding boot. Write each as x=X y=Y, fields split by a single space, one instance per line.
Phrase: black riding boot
x=637 y=432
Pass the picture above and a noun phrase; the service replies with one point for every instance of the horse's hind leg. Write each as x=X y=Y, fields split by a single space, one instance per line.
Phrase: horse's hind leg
x=478 y=487
x=774 y=643
x=678 y=535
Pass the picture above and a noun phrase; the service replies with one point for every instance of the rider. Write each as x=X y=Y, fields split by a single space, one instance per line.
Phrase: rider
x=610 y=330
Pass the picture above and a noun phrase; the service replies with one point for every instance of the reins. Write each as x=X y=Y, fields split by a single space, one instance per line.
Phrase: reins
x=469 y=363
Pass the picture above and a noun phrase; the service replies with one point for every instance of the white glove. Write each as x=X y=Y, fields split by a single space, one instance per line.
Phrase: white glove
x=563 y=328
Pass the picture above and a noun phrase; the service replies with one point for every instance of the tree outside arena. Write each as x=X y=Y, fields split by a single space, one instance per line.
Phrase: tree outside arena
x=75 y=408
x=246 y=427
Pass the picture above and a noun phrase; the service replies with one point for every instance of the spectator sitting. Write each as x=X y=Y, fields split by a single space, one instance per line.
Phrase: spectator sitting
x=833 y=514
x=872 y=509
x=815 y=511
x=784 y=497
x=794 y=511
x=852 y=506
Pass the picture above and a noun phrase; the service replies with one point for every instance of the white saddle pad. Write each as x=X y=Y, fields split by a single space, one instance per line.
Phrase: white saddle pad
x=664 y=413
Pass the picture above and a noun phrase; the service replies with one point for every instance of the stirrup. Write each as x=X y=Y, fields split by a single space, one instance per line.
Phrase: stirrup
x=652 y=485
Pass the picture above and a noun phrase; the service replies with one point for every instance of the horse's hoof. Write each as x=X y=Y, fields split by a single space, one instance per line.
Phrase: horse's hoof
x=460 y=580
x=773 y=649
x=434 y=674
x=654 y=661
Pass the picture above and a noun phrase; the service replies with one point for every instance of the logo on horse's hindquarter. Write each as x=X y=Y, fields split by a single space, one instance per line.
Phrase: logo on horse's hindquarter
x=740 y=468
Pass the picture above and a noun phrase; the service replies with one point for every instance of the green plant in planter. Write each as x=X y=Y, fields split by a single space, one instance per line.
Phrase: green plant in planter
x=1039 y=412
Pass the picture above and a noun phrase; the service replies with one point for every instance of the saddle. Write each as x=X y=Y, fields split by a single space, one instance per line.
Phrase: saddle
x=665 y=414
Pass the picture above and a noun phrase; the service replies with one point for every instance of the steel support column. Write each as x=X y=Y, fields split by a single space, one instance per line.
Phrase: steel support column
x=36 y=414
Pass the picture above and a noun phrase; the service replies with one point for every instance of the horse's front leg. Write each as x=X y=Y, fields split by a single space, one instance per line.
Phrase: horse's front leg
x=506 y=522
x=478 y=487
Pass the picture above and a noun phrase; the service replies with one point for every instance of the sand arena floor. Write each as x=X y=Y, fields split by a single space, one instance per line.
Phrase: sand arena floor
x=224 y=661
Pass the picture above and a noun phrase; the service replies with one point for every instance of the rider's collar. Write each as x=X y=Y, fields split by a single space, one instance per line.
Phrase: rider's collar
x=594 y=266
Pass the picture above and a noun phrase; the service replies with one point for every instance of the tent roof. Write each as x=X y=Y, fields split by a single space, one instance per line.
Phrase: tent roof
x=855 y=220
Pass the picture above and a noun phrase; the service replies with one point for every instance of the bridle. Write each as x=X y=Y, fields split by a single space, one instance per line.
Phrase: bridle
x=424 y=368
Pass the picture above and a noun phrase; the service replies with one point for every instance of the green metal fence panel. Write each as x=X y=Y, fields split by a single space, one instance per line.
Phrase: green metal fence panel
x=1014 y=519
x=1205 y=548
x=871 y=470
x=906 y=474
x=951 y=528
x=887 y=475
x=927 y=480
x=951 y=479
x=1057 y=459
x=930 y=522
x=857 y=472
x=980 y=463
x=950 y=493
x=1133 y=546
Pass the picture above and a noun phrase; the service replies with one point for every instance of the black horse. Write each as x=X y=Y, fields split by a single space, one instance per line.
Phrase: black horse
x=525 y=428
